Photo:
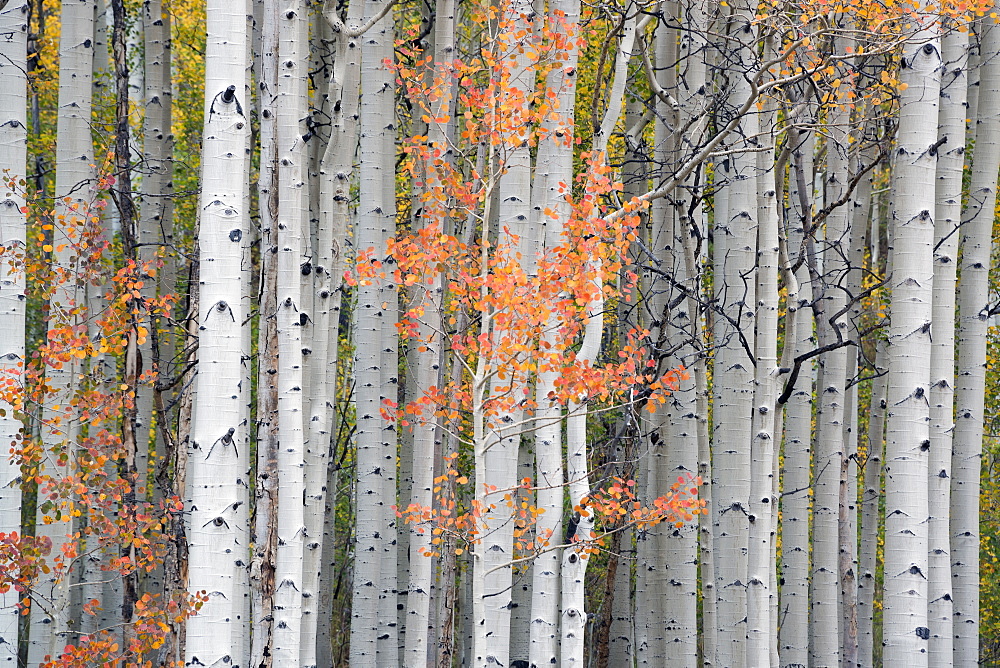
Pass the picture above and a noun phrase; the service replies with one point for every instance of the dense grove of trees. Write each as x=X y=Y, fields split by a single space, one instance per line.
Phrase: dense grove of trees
x=499 y=334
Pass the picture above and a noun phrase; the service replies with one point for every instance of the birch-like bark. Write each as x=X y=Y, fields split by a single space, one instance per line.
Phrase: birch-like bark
x=218 y=488
x=573 y=619
x=907 y=437
x=733 y=373
x=388 y=608
x=861 y=207
x=793 y=614
x=336 y=178
x=155 y=204
x=373 y=494
x=495 y=443
x=574 y=565
x=947 y=214
x=829 y=266
x=676 y=637
x=50 y=614
x=973 y=321
x=762 y=449
x=870 y=515
x=318 y=288
x=662 y=609
x=620 y=647
x=156 y=222
x=428 y=356
x=265 y=539
x=290 y=110
x=554 y=165
x=13 y=227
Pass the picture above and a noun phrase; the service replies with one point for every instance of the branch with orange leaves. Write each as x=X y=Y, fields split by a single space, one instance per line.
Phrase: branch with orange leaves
x=614 y=508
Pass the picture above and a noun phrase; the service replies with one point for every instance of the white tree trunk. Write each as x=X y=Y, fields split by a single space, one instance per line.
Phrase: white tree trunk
x=947 y=216
x=266 y=490
x=763 y=452
x=907 y=437
x=734 y=373
x=870 y=515
x=830 y=269
x=554 y=165
x=973 y=305
x=74 y=180
x=495 y=442
x=217 y=487
x=575 y=561
x=13 y=162
x=428 y=296
x=336 y=169
x=794 y=603
x=290 y=110
x=373 y=490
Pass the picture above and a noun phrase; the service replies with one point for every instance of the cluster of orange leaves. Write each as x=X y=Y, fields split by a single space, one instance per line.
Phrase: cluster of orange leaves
x=89 y=482
x=510 y=302
x=612 y=508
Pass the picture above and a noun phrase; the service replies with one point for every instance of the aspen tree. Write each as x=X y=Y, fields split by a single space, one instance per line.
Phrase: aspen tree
x=794 y=603
x=155 y=200
x=497 y=430
x=13 y=163
x=319 y=287
x=763 y=452
x=217 y=486
x=689 y=398
x=373 y=476
x=849 y=493
x=829 y=266
x=677 y=443
x=265 y=525
x=554 y=165
x=336 y=179
x=907 y=438
x=733 y=367
x=970 y=387
x=663 y=607
x=947 y=215
x=74 y=183
x=156 y=223
x=428 y=297
x=388 y=607
x=290 y=112
x=573 y=620
x=870 y=516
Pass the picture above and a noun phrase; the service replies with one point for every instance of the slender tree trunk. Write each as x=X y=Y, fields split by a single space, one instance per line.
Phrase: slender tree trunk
x=793 y=613
x=74 y=192
x=829 y=268
x=290 y=110
x=428 y=296
x=733 y=374
x=496 y=444
x=389 y=603
x=970 y=387
x=907 y=436
x=373 y=475
x=265 y=539
x=763 y=453
x=947 y=215
x=870 y=515
x=554 y=165
x=13 y=161
x=154 y=205
x=218 y=487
